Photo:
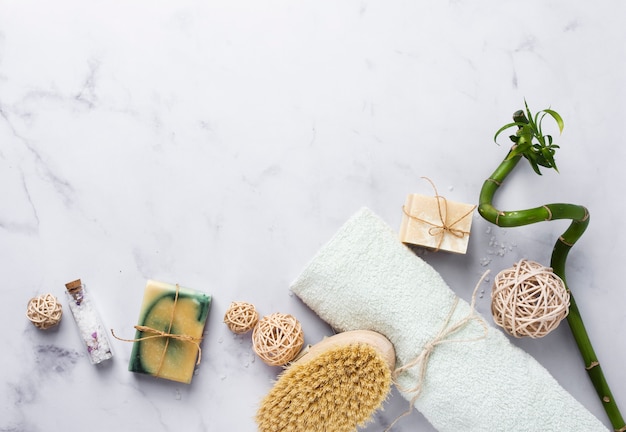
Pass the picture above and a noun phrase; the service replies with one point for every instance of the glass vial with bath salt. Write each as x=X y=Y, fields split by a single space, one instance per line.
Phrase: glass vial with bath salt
x=90 y=326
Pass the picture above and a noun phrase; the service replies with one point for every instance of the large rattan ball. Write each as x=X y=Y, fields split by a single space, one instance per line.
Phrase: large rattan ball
x=529 y=300
x=44 y=311
x=241 y=317
x=277 y=339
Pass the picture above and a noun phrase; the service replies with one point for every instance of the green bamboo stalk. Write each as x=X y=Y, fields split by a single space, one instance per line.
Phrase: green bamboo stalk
x=538 y=155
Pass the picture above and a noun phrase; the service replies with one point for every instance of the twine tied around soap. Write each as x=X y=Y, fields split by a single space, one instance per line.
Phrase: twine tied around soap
x=443 y=227
x=166 y=334
x=442 y=337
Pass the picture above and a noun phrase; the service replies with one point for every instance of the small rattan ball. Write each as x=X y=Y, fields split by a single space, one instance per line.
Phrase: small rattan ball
x=277 y=339
x=44 y=311
x=529 y=300
x=241 y=317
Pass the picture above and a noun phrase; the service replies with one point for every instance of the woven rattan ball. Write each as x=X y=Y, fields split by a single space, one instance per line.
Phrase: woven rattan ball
x=529 y=300
x=277 y=339
x=241 y=317
x=44 y=311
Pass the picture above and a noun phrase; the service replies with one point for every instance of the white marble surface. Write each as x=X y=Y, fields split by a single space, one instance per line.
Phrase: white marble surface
x=219 y=144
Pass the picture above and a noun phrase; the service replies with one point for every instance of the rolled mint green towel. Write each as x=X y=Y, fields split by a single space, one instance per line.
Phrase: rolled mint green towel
x=365 y=278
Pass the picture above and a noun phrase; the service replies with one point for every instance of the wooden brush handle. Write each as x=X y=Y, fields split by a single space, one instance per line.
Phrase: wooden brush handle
x=374 y=339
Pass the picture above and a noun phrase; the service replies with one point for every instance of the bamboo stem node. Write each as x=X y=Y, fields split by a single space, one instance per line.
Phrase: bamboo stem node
x=592 y=365
x=549 y=218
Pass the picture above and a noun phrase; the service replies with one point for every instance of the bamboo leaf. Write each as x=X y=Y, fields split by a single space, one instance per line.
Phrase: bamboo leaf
x=505 y=127
x=538 y=121
x=557 y=118
x=548 y=155
x=533 y=164
x=531 y=119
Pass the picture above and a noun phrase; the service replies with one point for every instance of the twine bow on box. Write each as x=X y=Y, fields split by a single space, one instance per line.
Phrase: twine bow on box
x=154 y=333
x=443 y=226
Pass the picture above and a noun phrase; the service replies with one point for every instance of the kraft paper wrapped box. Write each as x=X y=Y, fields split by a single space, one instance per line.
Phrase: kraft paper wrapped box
x=169 y=331
x=436 y=223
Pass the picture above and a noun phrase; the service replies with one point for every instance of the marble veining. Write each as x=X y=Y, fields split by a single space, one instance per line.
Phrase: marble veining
x=220 y=144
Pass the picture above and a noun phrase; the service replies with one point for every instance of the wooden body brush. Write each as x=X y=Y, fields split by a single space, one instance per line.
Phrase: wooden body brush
x=335 y=386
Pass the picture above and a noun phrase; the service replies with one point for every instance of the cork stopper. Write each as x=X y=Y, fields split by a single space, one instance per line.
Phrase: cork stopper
x=74 y=286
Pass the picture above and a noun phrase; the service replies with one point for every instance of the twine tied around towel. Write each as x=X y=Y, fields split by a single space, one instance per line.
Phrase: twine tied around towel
x=443 y=337
x=444 y=226
x=165 y=334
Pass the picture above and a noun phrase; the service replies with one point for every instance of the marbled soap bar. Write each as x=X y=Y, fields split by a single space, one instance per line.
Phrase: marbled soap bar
x=169 y=331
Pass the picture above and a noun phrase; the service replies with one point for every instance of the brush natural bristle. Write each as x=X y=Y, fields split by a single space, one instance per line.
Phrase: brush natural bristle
x=336 y=391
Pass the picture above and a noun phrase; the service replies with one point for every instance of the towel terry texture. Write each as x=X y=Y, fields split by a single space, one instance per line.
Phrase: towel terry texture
x=365 y=278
